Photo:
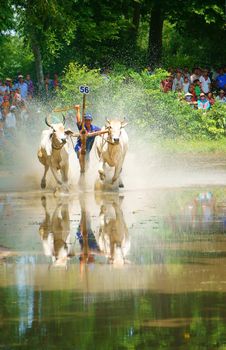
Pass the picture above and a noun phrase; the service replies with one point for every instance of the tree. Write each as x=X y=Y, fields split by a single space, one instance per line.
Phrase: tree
x=46 y=25
x=193 y=16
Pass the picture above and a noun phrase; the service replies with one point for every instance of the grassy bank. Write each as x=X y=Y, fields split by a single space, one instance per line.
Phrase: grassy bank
x=186 y=147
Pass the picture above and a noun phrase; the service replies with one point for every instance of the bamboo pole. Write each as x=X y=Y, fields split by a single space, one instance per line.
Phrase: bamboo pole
x=83 y=136
x=64 y=109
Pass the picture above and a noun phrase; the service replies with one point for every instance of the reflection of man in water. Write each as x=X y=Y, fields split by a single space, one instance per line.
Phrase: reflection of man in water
x=87 y=240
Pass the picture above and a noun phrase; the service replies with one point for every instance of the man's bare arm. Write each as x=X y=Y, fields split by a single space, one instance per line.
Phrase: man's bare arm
x=78 y=115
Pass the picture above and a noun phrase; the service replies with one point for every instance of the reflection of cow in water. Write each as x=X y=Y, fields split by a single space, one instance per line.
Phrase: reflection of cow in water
x=113 y=233
x=55 y=233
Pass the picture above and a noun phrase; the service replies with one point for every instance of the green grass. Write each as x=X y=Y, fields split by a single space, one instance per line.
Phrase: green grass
x=192 y=146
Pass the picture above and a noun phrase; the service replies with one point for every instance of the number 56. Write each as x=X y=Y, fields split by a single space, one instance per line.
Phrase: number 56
x=84 y=89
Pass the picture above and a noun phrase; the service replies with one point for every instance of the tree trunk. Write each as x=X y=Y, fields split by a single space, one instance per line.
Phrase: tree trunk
x=155 y=35
x=38 y=65
x=135 y=22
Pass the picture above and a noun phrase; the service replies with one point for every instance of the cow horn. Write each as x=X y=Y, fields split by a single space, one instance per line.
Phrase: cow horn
x=47 y=123
x=64 y=119
x=108 y=121
x=124 y=123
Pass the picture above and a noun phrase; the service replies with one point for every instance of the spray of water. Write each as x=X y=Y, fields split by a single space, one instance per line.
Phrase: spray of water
x=145 y=167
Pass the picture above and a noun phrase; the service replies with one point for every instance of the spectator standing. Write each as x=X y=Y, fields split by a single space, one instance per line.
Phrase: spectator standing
x=166 y=84
x=195 y=75
x=197 y=86
x=5 y=103
x=4 y=90
x=186 y=85
x=178 y=82
x=205 y=82
x=203 y=103
x=48 y=85
x=186 y=73
x=30 y=87
x=221 y=97
x=10 y=122
x=56 y=82
x=9 y=84
x=22 y=86
x=16 y=98
x=221 y=80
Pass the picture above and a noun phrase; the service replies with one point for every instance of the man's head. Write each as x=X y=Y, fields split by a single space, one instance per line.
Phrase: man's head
x=8 y=81
x=221 y=93
x=202 y=96
x=28 y=77
x=88 y=119
x=20 y=78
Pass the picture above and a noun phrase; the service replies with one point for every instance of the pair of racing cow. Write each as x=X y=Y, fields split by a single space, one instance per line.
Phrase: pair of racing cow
x=111 y=146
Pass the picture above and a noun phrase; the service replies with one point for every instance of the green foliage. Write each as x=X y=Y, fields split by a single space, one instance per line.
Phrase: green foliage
x=137 y=96
x=75 y=76
x=16 y=57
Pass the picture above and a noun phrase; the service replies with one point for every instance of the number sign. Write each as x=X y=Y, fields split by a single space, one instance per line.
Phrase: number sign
x=84 y=89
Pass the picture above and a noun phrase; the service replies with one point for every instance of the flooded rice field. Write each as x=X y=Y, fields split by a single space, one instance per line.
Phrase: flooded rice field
x=130 y=270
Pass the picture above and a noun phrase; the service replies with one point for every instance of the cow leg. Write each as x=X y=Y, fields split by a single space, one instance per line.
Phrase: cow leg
x=121 y=184
x=64 y=176
x=118 y=170
x=54 y=171
x=43 y=181
x=101 y=170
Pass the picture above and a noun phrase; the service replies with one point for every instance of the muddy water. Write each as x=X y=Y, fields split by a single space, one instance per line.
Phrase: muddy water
x=139 y=270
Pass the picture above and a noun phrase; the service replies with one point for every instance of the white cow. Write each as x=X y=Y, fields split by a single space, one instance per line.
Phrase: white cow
x=113 y=239
x=55 y=233
x=112 y=148
x=54 y=152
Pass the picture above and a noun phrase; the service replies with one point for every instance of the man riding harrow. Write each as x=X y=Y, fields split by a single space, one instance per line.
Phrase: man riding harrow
x=111 y=145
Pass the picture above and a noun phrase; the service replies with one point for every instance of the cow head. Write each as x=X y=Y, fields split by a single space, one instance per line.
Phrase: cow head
x=59 y=134
x=115 y=126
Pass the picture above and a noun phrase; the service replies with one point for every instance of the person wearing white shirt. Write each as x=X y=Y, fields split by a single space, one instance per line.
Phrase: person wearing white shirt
x=221 y=97
x=205 y=82
x=22 y=86
x=4 y=89
x=186 y=85
x=10 y=122
x=178 y=82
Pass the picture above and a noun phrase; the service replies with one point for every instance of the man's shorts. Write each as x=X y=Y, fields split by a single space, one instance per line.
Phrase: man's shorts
x=77 y=150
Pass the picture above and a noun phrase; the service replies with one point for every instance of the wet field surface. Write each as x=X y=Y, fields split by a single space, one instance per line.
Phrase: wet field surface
x=135 y=270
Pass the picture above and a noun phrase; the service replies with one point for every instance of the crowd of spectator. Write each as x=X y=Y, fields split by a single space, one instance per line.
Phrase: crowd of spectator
x=200 y=88
x=16 y=97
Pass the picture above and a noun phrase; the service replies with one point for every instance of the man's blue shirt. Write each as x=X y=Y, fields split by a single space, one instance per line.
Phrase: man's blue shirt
x=89 y=140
